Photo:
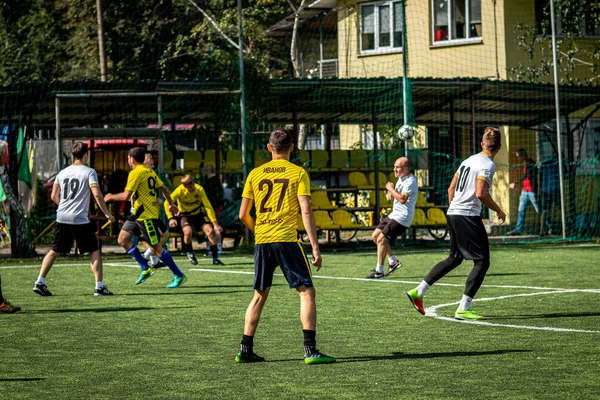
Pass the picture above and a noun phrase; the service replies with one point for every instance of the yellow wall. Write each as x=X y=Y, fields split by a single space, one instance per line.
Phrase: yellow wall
x=473 y=60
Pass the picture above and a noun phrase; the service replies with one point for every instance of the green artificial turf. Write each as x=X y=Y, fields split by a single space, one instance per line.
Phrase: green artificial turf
x=149 y=342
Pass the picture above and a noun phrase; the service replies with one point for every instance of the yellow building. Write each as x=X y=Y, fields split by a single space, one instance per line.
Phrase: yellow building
x=481 y=39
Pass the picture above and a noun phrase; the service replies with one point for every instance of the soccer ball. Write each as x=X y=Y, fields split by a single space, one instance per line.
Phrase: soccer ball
x=406 y=132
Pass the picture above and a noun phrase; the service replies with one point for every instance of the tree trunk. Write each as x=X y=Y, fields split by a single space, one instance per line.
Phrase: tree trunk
x=20 y=246
x=302 y=137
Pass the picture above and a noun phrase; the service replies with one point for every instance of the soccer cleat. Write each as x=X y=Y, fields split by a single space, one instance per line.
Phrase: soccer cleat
x=42 y=289
x=375 y=275
x=177 y=281
x=145 y=275
x=216 y=261
x=7 y=308
x=103 y=291
x=318 y=358
x=416 y=300
x=158 y=265
x=248 y=357
x=467 y=315
x=393 y=267
x=192 y=258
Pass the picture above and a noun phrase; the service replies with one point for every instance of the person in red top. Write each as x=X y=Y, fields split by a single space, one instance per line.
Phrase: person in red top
x=529 y=191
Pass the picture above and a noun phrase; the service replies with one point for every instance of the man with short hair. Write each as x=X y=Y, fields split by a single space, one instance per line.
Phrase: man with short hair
x=405 y=194
x=468 y=190
x=196 y=214
x=528 y=191
x=71 y=191
x=280 y=190
x=145 y=184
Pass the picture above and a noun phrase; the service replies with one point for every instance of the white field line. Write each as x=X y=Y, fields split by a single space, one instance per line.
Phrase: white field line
x=431 y=312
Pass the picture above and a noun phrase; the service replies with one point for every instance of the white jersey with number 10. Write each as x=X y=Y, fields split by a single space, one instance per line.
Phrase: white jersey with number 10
x=474 y=168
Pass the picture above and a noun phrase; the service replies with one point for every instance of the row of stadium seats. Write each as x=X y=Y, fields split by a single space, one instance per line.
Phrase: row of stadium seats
x=340 y=160
x=320 y=201
x=193 y=160
x=341 y=219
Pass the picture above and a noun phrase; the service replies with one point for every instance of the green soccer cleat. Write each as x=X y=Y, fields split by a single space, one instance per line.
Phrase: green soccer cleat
x=416 y=300
x=145 y=275
x=177 y=281
x=467 y=315
x=248 y=357
x=318 y=358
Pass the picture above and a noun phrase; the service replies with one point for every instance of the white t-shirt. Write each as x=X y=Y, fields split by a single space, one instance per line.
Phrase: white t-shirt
x=75 y=183
x=465 y=202
x=405 y=213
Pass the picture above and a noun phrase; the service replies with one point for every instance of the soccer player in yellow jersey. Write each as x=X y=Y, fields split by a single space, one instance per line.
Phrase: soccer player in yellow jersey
x=145 y=185
x=279 y=190
x=197 y=214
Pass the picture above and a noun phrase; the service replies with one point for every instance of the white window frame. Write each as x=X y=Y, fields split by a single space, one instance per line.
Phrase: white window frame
x=377 y=49
x=451 y=17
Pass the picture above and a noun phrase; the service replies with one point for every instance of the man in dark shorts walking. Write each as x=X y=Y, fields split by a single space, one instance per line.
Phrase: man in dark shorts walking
x=404 y=194
x=280 y=190
x=71 y=191
x=145 y=184
x=468 y=239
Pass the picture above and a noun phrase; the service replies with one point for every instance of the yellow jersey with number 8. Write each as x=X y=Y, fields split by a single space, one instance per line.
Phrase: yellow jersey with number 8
x=145 y=185
x=275 y=187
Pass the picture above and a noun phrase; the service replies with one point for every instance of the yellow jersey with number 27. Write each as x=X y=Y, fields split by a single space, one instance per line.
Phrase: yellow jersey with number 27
x=145 y=185
x=275 y=187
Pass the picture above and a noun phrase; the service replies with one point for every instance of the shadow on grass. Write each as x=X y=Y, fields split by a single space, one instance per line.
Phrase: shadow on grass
x=551 y=315
x=410 y=356
x=101 y=310
x=466 y=276
x=21 y=379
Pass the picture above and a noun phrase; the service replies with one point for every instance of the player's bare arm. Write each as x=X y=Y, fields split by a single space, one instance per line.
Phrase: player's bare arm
x=308 y=219
x=451 y=188
x=244 y=215
x=100 y=201
x=167 y=194
x=391 y=189
x=483 y=194
x=123 y=196
x=55 y=196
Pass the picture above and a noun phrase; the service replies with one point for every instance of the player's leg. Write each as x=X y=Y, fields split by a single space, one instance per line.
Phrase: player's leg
x=377 y=234
x=390 y=235
x=296 y=269
x=212 y=238
x=5 y=306
x=87 y=242
x=152 y=230
x=479 y=252
x=187 y=229
x=62 y=243
x=128 y=231
x=265 y=263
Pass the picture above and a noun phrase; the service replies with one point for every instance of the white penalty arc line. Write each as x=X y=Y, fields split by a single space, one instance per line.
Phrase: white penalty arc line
x=431 y=313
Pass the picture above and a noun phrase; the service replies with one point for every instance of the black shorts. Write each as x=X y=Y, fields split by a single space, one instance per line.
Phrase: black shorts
x=150 y=230
x=549 y=198
x=468 y=238
x=287 y=255
x=66 y=234
x=196 y=221
x=391 y=229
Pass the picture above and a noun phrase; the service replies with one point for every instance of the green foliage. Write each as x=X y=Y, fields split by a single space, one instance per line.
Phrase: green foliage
x=576 y=18
x=144 y=39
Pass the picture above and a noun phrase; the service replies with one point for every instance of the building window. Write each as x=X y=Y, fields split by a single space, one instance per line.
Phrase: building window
x=456 y=20
x=584 y=21
x=381 y=27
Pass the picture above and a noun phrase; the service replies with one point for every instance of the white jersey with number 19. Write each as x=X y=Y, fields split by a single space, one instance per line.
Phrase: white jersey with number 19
x=465 y=202
x=75 y=183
